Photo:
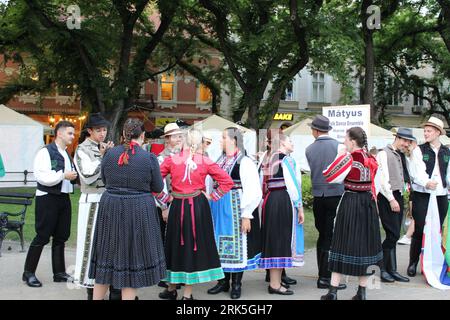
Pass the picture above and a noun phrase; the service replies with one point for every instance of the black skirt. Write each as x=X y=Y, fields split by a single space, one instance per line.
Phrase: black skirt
x=190 y=246
x=127 y=249
x=276 y=230
x=356 y=244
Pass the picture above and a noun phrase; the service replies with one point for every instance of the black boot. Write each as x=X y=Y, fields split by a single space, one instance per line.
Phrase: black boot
x=385 y=276
x=331 y=295
x=90 y=293
x=267 y=275
x=59 y=264
x=286 y=280
x=236 y=285
x=360 y=294
x=115 y=294
x=414 y=255
x=168 y=295
x=392 y=267
x=324 y=274
x=31 y=263
x=223 y=285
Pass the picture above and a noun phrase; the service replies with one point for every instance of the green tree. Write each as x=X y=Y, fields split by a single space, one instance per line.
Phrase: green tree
x=263 y=42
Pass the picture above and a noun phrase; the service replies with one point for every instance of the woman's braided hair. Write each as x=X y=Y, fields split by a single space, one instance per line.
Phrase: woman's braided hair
x=132 y=129
x=360 y=136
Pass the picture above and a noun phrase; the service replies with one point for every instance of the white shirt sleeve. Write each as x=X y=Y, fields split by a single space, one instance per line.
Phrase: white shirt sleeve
x=293 y=180
x=43 y=170
x=383 y=176
x=89 y=170
x=251 y=189
x=417 y=168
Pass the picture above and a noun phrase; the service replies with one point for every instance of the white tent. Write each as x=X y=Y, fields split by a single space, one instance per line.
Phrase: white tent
x=214 y=125
x=21 y=138
x=301 y=136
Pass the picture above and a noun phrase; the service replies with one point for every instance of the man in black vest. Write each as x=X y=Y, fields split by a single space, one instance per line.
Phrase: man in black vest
x=326 y=196
x=392 y=178
x=54 y=171
x=430 y=173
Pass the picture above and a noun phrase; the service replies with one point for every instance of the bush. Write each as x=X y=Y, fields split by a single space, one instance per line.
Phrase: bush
x=307 y=195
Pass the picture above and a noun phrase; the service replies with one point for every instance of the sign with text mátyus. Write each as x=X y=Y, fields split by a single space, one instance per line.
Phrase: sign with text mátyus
x=343 y=118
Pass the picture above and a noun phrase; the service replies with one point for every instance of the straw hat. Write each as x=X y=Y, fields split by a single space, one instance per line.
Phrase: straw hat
x=171 y=129
x=437 y=123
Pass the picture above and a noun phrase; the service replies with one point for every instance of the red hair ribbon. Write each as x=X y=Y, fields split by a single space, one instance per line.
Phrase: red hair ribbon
x=125 y=155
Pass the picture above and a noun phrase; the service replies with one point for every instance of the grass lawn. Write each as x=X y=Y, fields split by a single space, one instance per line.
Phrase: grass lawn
x=29 y=232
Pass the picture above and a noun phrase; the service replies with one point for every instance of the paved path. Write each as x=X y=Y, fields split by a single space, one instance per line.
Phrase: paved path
x=254 y=287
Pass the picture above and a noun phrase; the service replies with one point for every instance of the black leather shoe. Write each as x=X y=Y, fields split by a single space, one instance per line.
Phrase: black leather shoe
x=221 y=286
x=90 y=293
x=186 y=298
x=278 y=291
x=31 y=280
x=398 y=277
x=62 y=277
x=285 y=279
x=386 y=277
x=168 y=295
x=392 y=267
x=236 y=285
x=324 y=283
x=414 y=257
x=331 y=295
x=412 y=270
x=360 y=294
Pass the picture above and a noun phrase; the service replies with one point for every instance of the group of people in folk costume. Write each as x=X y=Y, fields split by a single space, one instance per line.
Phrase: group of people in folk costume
x=183 y=219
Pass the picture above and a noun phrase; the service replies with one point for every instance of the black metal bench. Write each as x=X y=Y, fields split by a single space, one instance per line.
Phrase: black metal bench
x=16 y=224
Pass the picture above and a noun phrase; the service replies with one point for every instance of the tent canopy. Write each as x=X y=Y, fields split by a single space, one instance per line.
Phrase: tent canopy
x=214 y=125
x=24 y=139
x=215 y=122
x=301 y=136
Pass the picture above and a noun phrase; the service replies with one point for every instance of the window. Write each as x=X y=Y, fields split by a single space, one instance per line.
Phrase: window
x=204 y=94
x=418 y=101
x=65 y=91
x=395 y=99
x=318 y=94
x=288 y=94
x=167 y=86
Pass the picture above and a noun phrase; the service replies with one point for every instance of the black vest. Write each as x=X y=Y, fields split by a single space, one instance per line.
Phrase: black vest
x=406 y=176
x=57 y=163
x=429 y=158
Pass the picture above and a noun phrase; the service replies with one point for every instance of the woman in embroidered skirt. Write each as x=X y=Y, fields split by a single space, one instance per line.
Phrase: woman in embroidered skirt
x=191 y=251
x=127 y=251
x=356 y=243
x=236 y=222
x=282 y=216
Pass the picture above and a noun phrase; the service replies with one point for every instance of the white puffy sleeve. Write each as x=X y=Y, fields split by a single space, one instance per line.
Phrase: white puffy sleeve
x=88 y=170
x=251 y=188
x=43 y=172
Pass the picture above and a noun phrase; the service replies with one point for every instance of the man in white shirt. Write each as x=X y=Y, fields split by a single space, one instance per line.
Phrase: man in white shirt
x=392 y=177
x=54 y=171
x=429 y=167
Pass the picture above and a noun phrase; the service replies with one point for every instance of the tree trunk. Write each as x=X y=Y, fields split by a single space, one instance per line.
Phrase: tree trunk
x=369 y=62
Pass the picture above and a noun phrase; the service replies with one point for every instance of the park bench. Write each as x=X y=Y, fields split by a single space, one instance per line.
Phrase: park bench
x=17 y=222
